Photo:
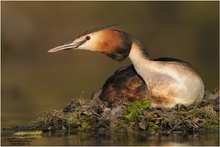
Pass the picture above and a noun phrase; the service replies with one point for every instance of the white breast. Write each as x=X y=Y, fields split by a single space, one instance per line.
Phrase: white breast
x=169 y=80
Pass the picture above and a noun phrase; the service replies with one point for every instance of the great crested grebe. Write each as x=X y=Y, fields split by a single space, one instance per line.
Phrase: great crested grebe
x=166 y=81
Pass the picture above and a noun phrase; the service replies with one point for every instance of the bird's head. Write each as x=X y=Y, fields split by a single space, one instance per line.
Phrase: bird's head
x=108 y=40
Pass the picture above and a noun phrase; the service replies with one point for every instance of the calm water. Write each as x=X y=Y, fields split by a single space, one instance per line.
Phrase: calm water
x=113 y=138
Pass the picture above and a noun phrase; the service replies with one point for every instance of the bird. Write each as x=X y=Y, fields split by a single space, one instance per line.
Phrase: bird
x=167 y=82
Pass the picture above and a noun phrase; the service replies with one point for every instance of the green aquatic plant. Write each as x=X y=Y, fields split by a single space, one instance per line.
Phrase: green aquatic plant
x=137 y=108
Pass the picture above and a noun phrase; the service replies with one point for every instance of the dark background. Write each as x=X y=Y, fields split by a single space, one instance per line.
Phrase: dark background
x=33 y=80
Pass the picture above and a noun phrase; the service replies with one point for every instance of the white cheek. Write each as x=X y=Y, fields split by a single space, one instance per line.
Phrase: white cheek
x=88 y=46
x=92 y=44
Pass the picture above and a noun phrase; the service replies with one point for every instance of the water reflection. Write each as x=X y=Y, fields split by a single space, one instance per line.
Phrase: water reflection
x=117 y=138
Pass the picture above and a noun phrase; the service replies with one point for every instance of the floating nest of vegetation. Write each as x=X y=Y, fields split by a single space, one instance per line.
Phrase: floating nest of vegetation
x=94 y=115
x=82 y=114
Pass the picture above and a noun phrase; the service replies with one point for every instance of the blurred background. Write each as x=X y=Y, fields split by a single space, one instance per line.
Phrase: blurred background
x=34 y=81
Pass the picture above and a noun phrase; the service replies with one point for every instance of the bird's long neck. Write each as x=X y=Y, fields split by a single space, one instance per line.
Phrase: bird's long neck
x=137 y=49
x=140 y=59
x=138 y=54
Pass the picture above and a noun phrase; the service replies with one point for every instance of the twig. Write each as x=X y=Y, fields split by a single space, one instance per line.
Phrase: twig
x=168 y=132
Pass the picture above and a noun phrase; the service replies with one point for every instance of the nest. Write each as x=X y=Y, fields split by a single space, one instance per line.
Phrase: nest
x=82 y=114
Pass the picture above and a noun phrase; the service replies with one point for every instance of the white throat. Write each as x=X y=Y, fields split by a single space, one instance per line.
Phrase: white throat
x=139 y=60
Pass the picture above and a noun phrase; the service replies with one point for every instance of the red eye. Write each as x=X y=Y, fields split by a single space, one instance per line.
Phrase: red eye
x=87 y=37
